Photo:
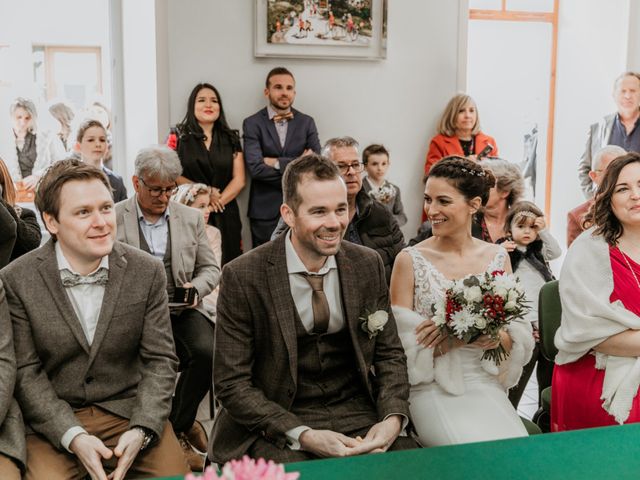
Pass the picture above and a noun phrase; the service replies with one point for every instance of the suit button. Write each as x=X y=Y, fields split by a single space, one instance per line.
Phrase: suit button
x=263 y=433
x=88 y=380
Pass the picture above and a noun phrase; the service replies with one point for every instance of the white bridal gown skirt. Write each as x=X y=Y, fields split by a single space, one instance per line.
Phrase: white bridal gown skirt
x=483 y=412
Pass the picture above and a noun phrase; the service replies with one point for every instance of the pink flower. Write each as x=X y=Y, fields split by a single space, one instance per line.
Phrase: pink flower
x=247 y=469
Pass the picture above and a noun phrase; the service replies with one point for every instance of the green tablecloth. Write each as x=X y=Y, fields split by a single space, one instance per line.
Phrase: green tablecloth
x=601 y=453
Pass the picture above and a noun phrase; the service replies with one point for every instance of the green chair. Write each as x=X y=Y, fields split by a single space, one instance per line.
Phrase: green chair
x=549 y=314
x=532 y=428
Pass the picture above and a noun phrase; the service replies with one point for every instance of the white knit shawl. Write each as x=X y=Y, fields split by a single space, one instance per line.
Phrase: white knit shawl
x=589 y=318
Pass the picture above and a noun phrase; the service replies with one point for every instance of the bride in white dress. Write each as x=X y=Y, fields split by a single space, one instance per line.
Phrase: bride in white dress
x=455 y=396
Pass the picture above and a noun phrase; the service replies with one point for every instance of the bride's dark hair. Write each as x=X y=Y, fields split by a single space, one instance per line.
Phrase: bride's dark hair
x=466 y=176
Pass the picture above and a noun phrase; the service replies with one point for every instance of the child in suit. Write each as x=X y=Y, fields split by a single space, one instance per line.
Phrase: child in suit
x=376 y=161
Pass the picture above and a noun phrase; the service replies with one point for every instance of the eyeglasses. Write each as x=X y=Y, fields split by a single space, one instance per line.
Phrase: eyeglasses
x=158 y=191
x=344 y=167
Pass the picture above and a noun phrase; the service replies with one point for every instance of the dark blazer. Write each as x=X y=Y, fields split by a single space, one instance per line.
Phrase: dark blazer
x=256 y=352
x=131 y=366
x=12 y=442
x=261 y=140
x=117 y=185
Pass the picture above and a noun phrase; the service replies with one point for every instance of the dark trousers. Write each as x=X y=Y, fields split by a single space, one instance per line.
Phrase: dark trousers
x=193 y=335
x=262 y=448
x=261 y=230
x=544 y=372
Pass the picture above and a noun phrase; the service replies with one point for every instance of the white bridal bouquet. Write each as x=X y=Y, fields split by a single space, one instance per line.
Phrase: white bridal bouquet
x=481 y=305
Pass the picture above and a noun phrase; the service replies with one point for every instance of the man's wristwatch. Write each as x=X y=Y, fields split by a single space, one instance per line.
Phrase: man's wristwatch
x=148 y=436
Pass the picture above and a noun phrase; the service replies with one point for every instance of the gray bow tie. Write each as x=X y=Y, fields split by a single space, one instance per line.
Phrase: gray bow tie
x=70 y=279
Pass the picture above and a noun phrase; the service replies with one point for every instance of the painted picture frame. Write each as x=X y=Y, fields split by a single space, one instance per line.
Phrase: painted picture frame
x=339 y=29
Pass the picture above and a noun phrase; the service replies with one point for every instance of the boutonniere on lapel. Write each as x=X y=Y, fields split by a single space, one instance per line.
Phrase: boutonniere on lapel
x=373 y=323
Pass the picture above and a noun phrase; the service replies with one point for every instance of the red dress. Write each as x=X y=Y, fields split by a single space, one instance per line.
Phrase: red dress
x=577 y=386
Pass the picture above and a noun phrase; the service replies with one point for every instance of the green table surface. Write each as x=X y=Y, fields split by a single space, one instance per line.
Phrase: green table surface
x=599 y=453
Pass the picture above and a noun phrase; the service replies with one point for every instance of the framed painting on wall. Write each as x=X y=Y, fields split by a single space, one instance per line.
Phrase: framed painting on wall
x=349 y=29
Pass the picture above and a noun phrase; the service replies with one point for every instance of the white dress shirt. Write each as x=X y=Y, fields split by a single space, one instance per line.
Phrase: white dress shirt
x=86 y=301
x=155 y=234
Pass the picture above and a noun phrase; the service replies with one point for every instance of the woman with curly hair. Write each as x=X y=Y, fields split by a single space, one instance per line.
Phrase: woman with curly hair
x=597 y=372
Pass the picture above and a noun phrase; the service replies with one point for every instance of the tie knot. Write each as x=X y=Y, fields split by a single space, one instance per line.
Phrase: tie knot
x=70 y=279
x=316 y=281
x=283 y=117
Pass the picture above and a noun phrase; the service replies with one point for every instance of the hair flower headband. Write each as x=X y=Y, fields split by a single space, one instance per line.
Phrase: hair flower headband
x=473 y=172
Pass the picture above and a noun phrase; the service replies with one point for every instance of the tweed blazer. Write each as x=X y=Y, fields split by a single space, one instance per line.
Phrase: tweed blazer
x=12 y=442
x=129 y=369
x=261 y=140
x=256 y=352
x=192 y=259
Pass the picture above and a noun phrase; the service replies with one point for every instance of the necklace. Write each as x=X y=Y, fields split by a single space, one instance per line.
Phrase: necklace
x=629 y=265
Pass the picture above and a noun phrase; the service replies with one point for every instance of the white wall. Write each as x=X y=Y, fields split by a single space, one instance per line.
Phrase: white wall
x=396 y=101
x=29 y=22
x=592 y=52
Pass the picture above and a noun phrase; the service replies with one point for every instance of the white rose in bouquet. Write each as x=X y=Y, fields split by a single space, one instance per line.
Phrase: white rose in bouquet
x=473 y=294
x=480 y=322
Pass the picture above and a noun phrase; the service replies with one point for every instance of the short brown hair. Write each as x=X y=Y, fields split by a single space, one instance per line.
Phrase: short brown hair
x=447 y=125
x=50 y=185
x=278 y=71
x=86 y=125
x=374 y=149
x=601 y=213
x=317 y=166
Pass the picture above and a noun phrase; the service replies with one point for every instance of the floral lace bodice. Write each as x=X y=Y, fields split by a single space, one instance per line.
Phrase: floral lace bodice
x=430 y=284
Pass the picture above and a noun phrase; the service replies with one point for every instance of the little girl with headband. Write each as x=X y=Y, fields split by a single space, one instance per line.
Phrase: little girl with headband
x=535 y=246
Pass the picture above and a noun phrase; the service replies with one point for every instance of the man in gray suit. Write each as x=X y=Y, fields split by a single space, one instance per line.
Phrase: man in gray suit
x=94 y=352
x=303 y=323
x=621 y=128
x=175 y=234
x=12 y=446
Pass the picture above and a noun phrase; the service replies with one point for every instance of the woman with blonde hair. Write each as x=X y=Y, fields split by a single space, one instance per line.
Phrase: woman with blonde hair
x=31 y=152
x=19 y=229
x=459 y=133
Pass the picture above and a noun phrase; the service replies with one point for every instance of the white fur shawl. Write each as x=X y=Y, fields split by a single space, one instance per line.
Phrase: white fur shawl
x=446 y=370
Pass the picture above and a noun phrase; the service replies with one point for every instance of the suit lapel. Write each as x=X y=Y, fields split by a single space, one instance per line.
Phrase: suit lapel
x=117 y=270
x=285 y=309
x=130 y=223
x=351 y=301
x=454 y=145
x=271 y=128
x=51 y=277
x=175 y=229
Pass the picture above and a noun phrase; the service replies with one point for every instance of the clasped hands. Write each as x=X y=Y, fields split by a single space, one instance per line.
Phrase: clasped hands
x=91 y=451
x=327 y=443
x=428 y=335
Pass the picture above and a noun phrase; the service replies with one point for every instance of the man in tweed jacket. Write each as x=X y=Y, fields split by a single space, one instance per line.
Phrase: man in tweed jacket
x=95 y=358
x=290 y=391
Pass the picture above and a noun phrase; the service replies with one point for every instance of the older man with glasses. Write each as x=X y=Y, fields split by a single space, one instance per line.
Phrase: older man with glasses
x=175 y=234
x=370 y=223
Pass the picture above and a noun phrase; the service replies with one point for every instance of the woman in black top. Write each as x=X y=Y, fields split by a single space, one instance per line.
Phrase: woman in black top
x=210 y=153
x=19 y=229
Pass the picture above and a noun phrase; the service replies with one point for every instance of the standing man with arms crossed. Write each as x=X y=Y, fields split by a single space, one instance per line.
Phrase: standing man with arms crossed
x=303 y=323
x=273 y=137
x=621 y=128
x=95 y=356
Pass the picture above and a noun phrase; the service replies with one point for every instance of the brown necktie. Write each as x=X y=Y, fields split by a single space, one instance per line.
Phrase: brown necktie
x=319 y=303
x=283 y=117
